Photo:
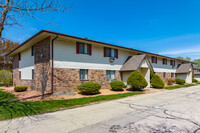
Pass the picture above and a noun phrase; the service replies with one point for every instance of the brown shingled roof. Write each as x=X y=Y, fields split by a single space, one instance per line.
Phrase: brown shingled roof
x=184 y=68
x=133 y=63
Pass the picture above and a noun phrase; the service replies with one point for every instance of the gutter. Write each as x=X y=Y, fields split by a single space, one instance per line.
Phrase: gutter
x=52 y=61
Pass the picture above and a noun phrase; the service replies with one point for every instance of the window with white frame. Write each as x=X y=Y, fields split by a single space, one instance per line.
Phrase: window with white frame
x=110 y=74
x=83 y=73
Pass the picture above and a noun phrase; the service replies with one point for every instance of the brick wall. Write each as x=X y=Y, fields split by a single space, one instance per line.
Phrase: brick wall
x=67 y=80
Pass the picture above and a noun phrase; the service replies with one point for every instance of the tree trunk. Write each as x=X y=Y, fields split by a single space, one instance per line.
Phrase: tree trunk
x=3 y=16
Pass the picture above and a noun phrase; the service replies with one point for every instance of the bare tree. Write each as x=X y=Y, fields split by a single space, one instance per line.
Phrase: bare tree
x=14 y=10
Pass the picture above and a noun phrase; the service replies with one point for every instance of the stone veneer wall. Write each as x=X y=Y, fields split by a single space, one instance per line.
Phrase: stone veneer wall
x=168 y=75
x=67 y=80
x=42 y=65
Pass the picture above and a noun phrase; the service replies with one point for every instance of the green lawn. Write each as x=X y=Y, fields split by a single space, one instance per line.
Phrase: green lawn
x=9 y=110
x=179 y=86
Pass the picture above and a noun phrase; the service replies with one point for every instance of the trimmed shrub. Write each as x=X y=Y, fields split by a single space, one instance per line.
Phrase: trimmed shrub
x=194 y=80
x=5 y=77
x=169 y=81
x=20 y=88
x=157 y=82
x=89 y=88
x=117 y=85
x=137 y=81
x=180 y=81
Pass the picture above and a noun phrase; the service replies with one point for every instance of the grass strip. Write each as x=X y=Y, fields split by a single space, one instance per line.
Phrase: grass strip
x=179 y=86
x=10 y=110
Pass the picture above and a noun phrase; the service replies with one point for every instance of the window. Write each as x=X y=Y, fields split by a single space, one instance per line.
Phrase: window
x=20 y=73
x=165 y=61
x=154 y=59
x=172 y=62
x=164 y=75
x=172 y=75
x=110 y=74
x=109 y=52
x=83 y=74
x=19 y=55
x=33 y=51
x=33 y=74
x=83 y=48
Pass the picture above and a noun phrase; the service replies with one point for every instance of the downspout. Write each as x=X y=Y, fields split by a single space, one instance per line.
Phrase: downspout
x=52 y=45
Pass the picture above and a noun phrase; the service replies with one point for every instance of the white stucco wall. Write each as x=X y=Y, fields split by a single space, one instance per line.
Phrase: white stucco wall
x=160 y=67
x=26 y=64
x=186 y=76
x=65 y=57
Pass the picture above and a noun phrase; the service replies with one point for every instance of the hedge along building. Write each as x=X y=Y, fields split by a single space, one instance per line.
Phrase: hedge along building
x=60 y=62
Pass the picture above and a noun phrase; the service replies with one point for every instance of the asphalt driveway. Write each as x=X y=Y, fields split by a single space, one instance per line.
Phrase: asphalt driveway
x=165 y=111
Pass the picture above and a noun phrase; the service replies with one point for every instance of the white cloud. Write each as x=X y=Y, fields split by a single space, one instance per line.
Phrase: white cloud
x=33 y=29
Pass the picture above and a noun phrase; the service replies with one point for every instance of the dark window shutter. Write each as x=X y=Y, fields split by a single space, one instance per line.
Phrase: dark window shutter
x=77 y=47
x=163 y=61
x=152 y=59
x=104 y=51
x=116 y=50
x=156 y=60
x=89 y=49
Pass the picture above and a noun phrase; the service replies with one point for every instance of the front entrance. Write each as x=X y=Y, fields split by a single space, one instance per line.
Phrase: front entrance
x=144 y=71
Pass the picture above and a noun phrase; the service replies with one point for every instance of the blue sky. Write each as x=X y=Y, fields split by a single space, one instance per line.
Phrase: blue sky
x=167 y=27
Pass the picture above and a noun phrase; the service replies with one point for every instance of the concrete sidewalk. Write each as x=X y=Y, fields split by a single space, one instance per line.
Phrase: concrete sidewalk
x=123 y=115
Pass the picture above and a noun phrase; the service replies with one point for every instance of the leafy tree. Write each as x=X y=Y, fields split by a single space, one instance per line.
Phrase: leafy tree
x=182 y=58
x=6 y=77
x=12 y=11
x=5 y=47
x=197 y=61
